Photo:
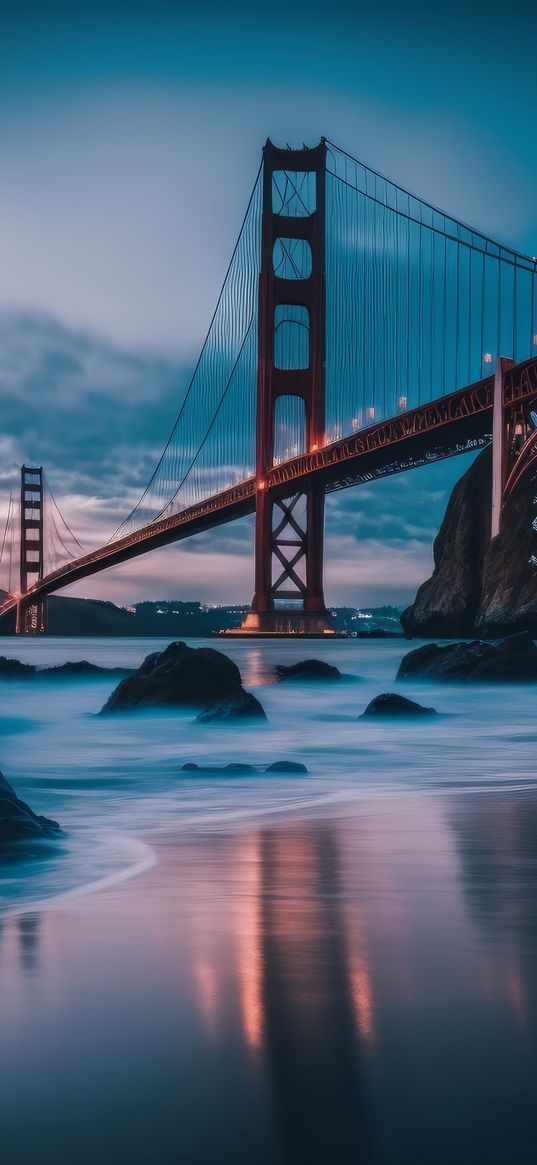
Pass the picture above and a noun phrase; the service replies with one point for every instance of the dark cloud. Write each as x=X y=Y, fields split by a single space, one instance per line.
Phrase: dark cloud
x=96 y=417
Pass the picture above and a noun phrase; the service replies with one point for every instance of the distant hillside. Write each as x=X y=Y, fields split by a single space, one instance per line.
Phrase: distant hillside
x=86 y=617
x=175 y=619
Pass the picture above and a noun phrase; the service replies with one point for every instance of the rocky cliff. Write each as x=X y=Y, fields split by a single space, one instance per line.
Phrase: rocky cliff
x=478 y=585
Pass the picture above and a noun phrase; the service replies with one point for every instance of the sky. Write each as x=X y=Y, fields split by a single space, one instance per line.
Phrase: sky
x=130 y=135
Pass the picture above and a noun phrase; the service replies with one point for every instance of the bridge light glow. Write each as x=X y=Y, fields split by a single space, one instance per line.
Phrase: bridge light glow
x=314 y=447
x=261 y=484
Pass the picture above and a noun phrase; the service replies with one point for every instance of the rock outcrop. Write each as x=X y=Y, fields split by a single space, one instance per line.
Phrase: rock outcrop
x=479 y=586
x=307 y=670
x=390 y=704
x=237 y=768
x=511 y=660
x=186 y=677
x=240 y=706
x=447 y=603
x=13 y=669
x=17 y=821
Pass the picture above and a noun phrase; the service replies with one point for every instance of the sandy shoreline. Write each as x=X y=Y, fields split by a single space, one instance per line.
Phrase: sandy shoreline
x=278 y=990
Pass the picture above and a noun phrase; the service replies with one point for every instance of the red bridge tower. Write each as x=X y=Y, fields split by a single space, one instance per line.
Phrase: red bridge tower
x=31 y=617
x=289 y=529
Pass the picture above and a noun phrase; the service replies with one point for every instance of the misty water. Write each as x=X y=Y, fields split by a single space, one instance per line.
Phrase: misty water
x=337 y=966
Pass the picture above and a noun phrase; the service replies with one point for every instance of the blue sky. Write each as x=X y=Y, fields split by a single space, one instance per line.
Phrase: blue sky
x=130 y=136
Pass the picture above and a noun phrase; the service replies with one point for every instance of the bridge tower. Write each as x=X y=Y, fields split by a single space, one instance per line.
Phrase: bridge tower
x=290 y=528
x=31 y=617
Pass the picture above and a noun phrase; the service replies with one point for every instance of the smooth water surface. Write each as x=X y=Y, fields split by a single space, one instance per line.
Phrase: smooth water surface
x=335 y=967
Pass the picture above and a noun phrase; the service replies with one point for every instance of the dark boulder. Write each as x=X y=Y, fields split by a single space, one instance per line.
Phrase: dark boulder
x=233 y=767
x=240 y=706
x=308 y=670
x=286 y=766
x=13 y=669
x=17 y=821
x=178 y=677
x=392 y=705
x=513 y=659
x=279 y=766
x=81 y=669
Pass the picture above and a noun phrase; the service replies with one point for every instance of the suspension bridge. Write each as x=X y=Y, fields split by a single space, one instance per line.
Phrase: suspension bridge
x=359 y=332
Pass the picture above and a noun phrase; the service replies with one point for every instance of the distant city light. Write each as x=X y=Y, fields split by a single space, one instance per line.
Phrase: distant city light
x=402 y=402
x=371 y=412
x=487 y=358
x=535 y=340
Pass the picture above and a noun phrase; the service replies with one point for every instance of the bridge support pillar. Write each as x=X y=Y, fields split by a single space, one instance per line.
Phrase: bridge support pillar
x=290 y=376
x=504 y=437
x=31 y=617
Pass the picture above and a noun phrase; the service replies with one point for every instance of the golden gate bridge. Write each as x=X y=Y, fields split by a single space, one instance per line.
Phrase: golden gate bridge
x=359 y=332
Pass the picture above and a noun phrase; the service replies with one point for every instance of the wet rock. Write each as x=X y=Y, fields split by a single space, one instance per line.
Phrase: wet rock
x=13 y=669
x=513 y=659
x=393 y=705
x=234 y=767
x=17 y=821
x=279 y=766
x=80 y=669
x=241 y=706
x=306 y=670
x=182 y=676
x=286 y=766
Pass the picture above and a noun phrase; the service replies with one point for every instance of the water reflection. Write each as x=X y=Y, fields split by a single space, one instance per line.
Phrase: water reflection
x=497 y=842
x=312 y=1047
x=303 y=994
x=20 y=943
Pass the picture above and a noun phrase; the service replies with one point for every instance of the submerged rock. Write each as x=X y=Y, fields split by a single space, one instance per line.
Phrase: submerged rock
x=513 y=659
x=13 y=669
x=286 y=766
x=279 y=766
x=17 y=821
x=308 y=669
x=393 y=705
x=75 y=669
x=181 y=676
x=240 y=706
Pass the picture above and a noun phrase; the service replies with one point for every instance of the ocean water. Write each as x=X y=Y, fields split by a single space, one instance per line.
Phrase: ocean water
x=110 y=781
x=337 y=967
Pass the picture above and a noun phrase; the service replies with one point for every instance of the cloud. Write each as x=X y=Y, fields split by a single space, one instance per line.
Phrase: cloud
x=96 y=415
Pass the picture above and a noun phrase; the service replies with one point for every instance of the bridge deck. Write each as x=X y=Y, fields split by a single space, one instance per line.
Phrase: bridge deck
x=445 y=427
